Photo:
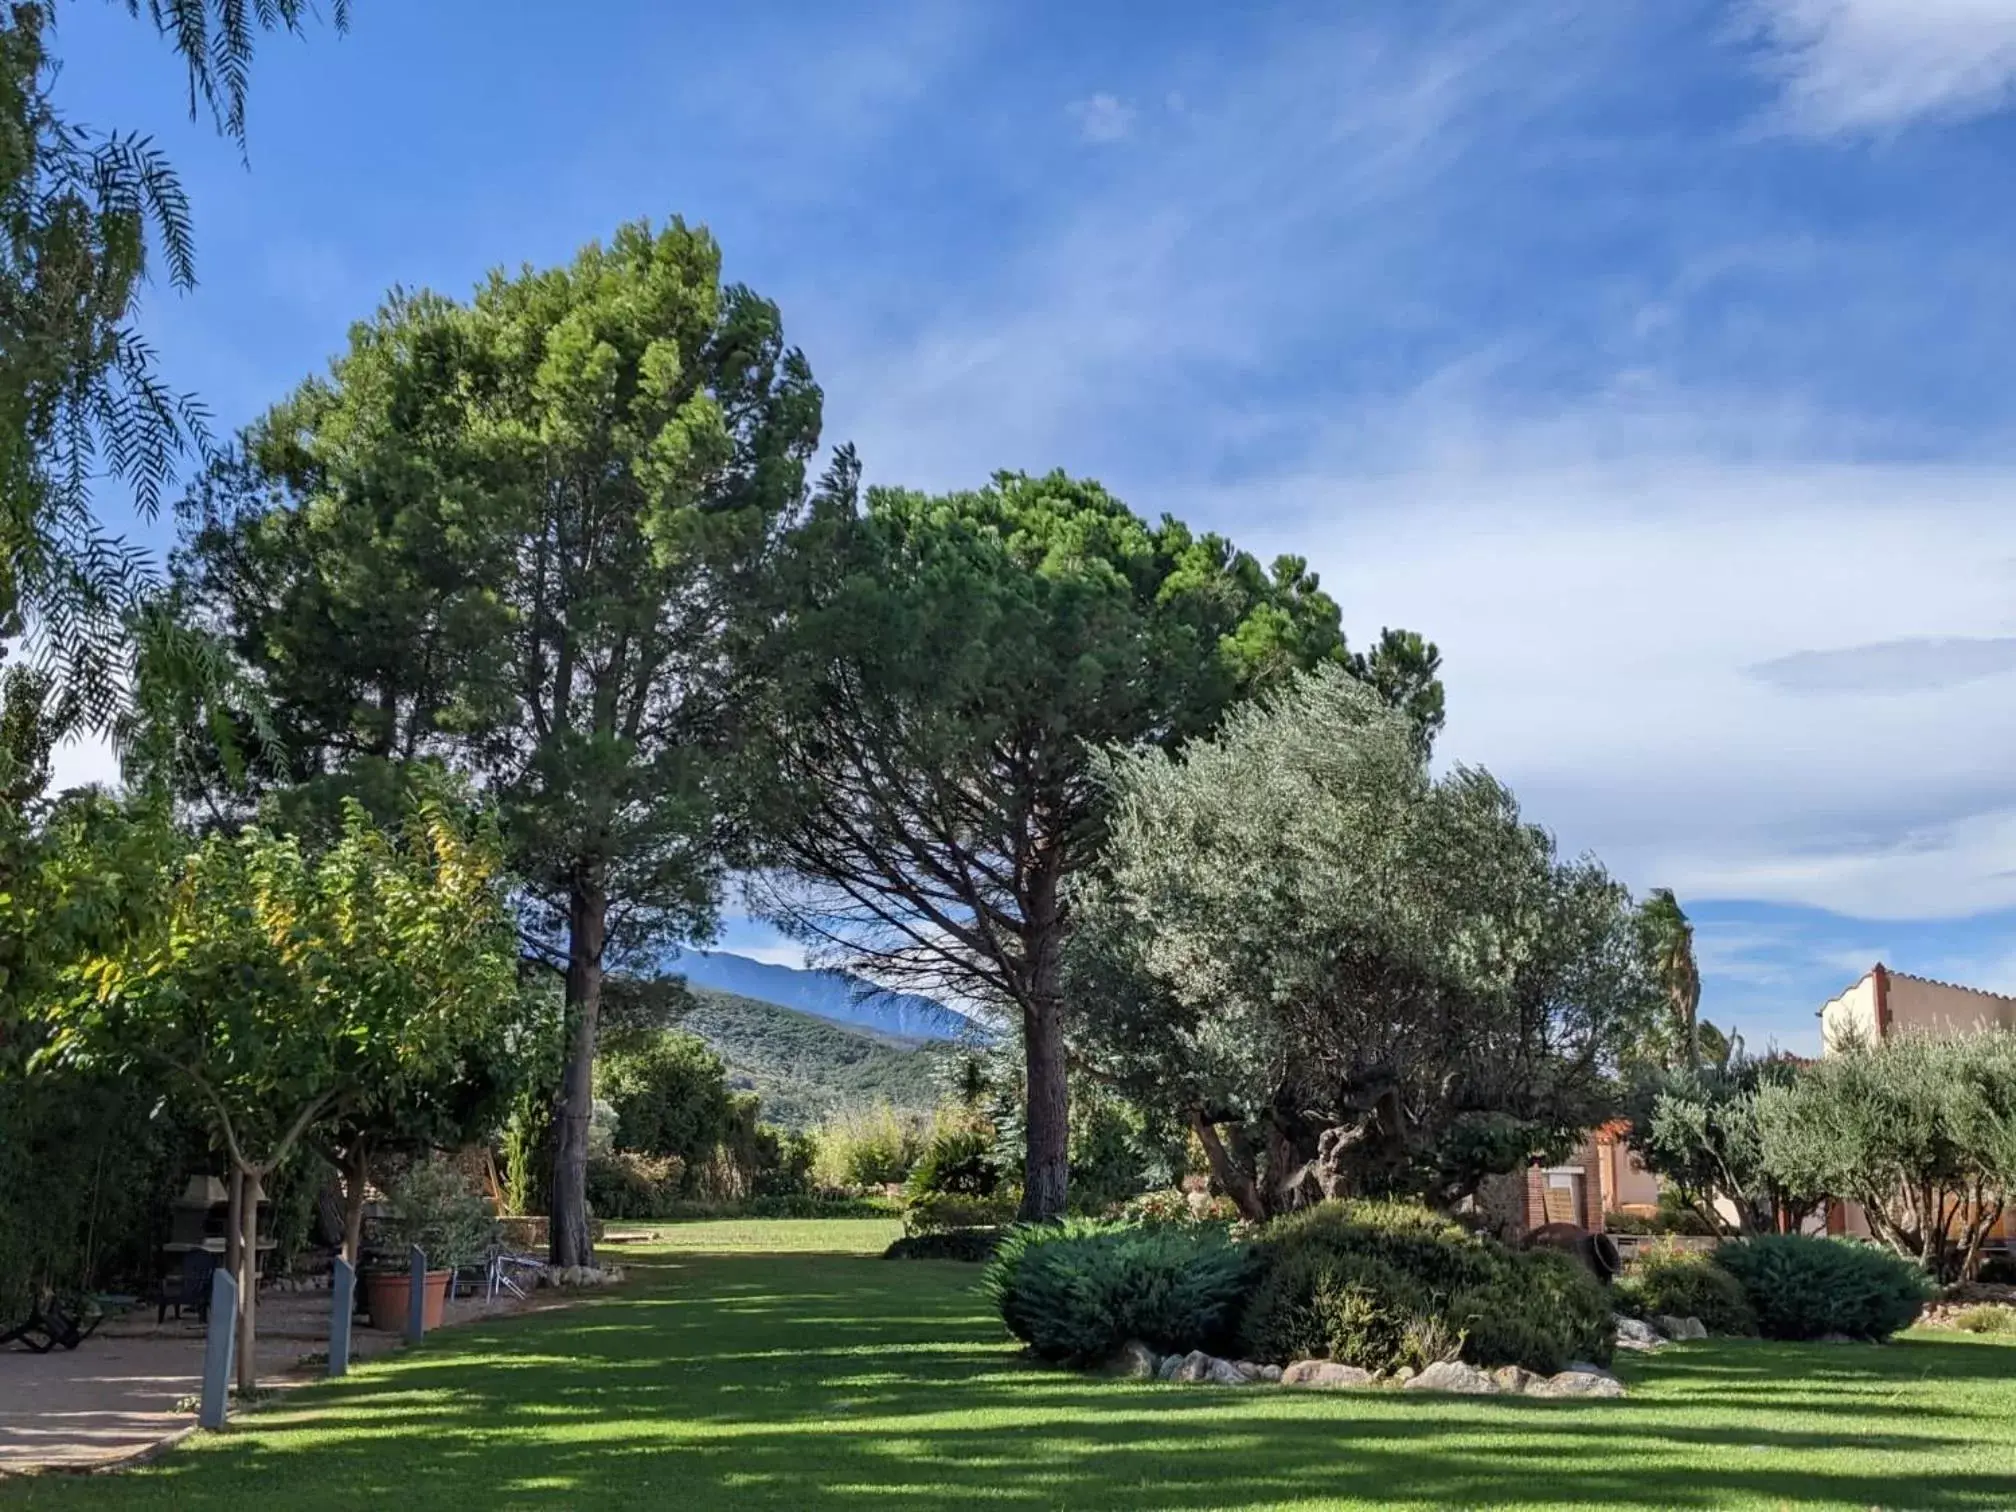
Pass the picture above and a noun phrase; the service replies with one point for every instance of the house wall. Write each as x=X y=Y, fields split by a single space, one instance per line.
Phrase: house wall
x=1851 y=1018
x=1626 y=1182
x=1940 y=1008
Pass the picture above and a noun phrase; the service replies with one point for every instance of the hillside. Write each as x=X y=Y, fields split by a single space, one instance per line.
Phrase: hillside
x=829 y=994
x=806 y=1067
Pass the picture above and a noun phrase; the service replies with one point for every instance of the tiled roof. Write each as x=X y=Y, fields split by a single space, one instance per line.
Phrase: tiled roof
x=1955 y=986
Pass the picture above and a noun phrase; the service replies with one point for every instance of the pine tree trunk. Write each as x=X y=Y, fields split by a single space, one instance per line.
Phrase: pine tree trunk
x=587 y=926
x=1046 y=1171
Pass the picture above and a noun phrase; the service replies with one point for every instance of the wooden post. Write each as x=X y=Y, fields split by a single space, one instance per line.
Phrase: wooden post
x=416 y=1296
x=342 y=1303
x=218 y=1347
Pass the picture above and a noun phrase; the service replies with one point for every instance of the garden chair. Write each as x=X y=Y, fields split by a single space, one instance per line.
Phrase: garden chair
x=189 y=1286
x=51 y=1322
x=504 y=1271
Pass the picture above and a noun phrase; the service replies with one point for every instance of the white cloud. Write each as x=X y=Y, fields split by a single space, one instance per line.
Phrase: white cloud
x=82 y=761
x=1874 y=66
x=1103 y=118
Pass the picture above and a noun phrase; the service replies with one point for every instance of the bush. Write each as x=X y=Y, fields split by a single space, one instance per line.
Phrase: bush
x=1986 y=1319
x=1076 y=1291
x=784 y=1160
x=1804 y=1287
x=669 y=1093
x=434 y=1206
x=972 y=1244
x=1173 y=1206
x=1108 y=1163
x=865 y=1147
x=1434 y=1251
x=1542 y=1311
x=957 y=1160
x=630 y=1186
x=934 y=1215
x=1678 y=1283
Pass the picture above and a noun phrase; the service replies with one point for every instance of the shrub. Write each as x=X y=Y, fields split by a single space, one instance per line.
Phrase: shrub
x=784 y=1160
x=957 y=1160
x=1686 y=1284
x=631 y=1186
x=1986 y=1319
x=1803 y=1287
x=670 y=1095
x=1078 y=1290
x=933 y=1215
x=1354 y=1308
x=864 y=1147
x=434 y=1206
x=1170 y=1205
x=1108 y=1163
x=1542 y=1311
x=971 y=1244
x=1439 y=1254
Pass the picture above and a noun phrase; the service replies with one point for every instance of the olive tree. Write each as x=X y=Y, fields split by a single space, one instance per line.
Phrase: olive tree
x=1344 y=974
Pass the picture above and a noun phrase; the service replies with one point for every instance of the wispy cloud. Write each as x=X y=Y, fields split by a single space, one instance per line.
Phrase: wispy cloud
x=1851 y=67
x=1899 y=666
x=1103 y=118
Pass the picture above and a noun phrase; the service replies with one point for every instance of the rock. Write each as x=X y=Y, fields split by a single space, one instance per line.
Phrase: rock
x=1680 y=1328
x=1636 y=1333
x=1135 y=1361
x=1271 y=1374
x=1193 y=1367
x=1401 y=1376
x=1453 y=1375
x=1166 y=1371
x=1327 y=1375
x=1578 y=1381
x=1513 y=1379
x=1225 y=1373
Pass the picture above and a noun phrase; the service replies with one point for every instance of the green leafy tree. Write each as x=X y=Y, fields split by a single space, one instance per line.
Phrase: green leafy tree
x=924 y=752
x=1920 y=1130
x=527 y=537
x=1668 y=940
x=670 y=1093
x=1697 y=1130
x=85 y=218
x=1346 y=976
x=279 y=985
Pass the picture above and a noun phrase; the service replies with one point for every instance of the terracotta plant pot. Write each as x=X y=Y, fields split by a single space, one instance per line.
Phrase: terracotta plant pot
x=386 y=1295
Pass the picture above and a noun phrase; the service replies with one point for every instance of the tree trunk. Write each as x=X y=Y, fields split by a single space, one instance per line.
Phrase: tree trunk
x=248 y=1284
x=1047 y=1153
x=587 y=926
x=234 y=1223
x=1238 y=1184
x=356 y=1172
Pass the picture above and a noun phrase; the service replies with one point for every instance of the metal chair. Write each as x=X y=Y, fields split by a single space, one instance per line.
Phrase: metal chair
x=189 y=1287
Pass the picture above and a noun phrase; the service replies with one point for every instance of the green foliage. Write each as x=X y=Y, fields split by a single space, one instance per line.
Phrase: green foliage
x=973 y=1246
x=1987 y=1319
x=1077 y=1291
x=1108 y=1161
x=1441 y=1255
x=670 y=1093
x=1296 y=915
x=1698 y=1130
x=784 y=1161
x=1805 y=1287
x=634 y=1186
x=434 y=1206
x=867 y=1147
x=1542 y=1310
x=1679 y=1283
x=1172 y=1205
x=1919 y=1129
x=1350 y=1306
x=957 y=1160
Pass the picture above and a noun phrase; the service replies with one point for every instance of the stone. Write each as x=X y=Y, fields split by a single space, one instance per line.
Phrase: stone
x=1636 y=1333
x=1680 y=1328
x=1401 y=1376
x=1135 y=1361
x=1513 y=1379
x=1327 y=1375
x=1166 y=1371
x=1271 y=1374
x=1453 y=1375
x=1226 y=1373
x=1195 y=1366
x=1578 y=1381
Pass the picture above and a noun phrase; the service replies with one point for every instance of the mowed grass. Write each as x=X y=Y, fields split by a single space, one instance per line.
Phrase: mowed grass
x=782 y=1365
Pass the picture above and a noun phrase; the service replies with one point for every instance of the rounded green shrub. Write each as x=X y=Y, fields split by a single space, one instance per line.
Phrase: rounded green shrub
x=1542 y=1311
x=1805 y=1287
x=1672 y=1282
x=1442 y=1256
x=1351 y=1307
x=956 y=1161
x=1076 y=1291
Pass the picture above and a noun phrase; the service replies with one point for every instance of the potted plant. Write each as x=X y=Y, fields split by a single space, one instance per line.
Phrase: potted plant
x=432 y=1206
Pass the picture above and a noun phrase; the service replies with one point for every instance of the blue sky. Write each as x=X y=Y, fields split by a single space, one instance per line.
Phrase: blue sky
x=1654 y=358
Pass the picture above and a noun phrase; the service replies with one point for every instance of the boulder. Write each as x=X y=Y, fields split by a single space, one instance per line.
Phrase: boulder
x=1135 y=1361
x=1680 y=1328
x=1271 y=1374
x=1453 y=1375
x=1578 y=1381
x=1513 y=1379
x=1636 y=1333
x=1166 y=1371
x=1193 y=1367
x=1328 y=1375
x=1226 y=1373
x=1401 y=1376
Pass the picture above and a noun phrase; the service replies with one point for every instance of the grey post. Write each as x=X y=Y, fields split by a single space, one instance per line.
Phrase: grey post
x=342 y=1303
x=219 y=1349
x=416 y=1297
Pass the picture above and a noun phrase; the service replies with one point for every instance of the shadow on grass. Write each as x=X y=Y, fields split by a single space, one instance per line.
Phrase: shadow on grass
x=808 y=1381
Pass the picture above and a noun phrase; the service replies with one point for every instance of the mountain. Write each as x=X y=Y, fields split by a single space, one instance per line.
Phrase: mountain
x=806 y=1067
x=829 y=994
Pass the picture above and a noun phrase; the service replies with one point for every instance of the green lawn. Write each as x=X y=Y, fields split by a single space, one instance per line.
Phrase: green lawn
x=780 y=1365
